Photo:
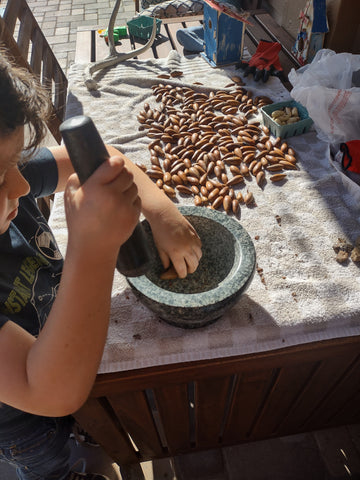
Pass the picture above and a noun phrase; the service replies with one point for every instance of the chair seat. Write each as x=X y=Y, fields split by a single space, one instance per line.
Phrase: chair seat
x=172 y=8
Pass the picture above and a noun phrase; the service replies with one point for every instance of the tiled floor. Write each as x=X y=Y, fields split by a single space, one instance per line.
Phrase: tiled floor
x=59 y=21
x=327 y=455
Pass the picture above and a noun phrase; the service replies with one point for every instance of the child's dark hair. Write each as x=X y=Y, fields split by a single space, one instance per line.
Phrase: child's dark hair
x=22 y=101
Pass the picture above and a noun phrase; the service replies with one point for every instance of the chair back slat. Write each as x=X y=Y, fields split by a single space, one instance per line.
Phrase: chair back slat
x=21 y=35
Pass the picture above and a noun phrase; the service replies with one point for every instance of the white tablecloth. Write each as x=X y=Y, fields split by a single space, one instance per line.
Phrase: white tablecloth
x=304 y=295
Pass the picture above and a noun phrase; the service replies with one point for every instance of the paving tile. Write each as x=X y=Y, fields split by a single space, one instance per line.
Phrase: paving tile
x=50 y=24
x=56 y=39
x=161 y=469
x=91 y=16
x=49 y=8
x=39 y=16
x=40 y=4
x=354 y=432
x=48 y=32
x=208 y=465
x=91 y=9
x=339 y=450
x=77 y=11
x=62 y=31
x=63 y=22
x=67 y=11
x=287 y=458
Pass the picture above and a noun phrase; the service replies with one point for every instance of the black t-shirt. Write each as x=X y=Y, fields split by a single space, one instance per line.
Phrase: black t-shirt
x=30 y=260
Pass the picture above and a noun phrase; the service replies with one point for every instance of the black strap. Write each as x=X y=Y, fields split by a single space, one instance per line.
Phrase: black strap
x=346 y=156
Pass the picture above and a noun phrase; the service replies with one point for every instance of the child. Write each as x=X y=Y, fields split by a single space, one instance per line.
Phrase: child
x=54 y=313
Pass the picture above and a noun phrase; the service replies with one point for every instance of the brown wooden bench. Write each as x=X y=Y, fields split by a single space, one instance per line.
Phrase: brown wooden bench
x=90 y=47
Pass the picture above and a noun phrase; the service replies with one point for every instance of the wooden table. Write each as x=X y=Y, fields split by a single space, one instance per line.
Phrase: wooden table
x=166 y=410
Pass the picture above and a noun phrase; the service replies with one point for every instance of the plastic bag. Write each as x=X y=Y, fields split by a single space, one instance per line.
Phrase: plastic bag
x=326 y=87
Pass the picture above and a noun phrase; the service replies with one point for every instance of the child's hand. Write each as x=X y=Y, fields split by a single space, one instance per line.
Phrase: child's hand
x=103 y=212
x=177 y=241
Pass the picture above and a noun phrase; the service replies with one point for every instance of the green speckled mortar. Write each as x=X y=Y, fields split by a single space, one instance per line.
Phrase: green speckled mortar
x=224 y=272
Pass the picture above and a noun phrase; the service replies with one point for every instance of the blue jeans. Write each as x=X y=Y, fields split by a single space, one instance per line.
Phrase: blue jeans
x=42 y=452
x=191 y=38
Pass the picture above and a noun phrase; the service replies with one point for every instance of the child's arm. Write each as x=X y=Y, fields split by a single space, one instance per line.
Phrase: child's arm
x=175 y=238
x=53 y=374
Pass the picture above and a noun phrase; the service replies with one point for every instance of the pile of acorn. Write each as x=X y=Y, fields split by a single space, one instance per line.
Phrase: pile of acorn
x=210 y=145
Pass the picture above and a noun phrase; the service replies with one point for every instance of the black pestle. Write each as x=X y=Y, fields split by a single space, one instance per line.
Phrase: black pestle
x=87 y=151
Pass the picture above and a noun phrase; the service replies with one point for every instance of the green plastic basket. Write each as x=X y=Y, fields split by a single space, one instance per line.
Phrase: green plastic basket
x=291 y=130
x=142 y=26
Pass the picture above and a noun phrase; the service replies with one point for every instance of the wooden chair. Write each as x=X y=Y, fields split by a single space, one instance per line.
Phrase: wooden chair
x=21 y=35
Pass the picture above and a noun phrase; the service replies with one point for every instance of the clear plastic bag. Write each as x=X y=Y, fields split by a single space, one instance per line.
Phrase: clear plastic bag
x=327 y=88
